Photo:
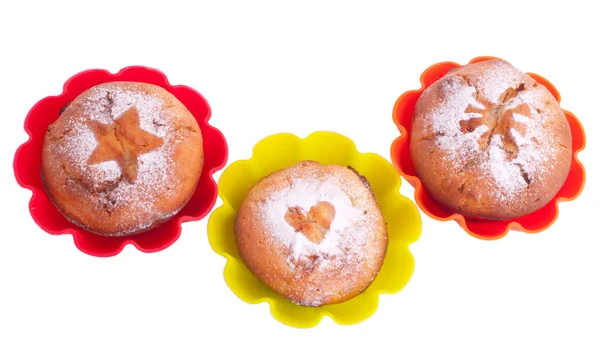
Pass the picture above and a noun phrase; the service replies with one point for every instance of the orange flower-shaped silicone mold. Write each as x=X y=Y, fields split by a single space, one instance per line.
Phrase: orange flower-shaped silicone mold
x=283 y=150
x=483 y=229
x=27 y=164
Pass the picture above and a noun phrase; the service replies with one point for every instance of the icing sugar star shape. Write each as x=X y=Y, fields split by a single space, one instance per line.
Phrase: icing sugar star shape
x=123 y=141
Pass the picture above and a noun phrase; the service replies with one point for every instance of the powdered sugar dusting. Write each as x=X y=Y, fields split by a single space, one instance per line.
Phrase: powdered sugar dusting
x=446 y=118
x=496 y=80
x=506 y=173
x=109 y=171
x=512 y=171
x=153 y=178
x=345 y=246
x=80 y=143
x=319 y=229
x=534 y=157
x=104 y=105
x=347 y=231
x=107 y=104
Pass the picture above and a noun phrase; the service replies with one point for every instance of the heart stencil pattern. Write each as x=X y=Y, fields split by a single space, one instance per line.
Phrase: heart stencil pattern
x=315 y=224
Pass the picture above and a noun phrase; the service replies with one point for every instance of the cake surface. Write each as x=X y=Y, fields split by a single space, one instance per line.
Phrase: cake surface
x=313 y=233
x=488 y=141
x=122 y=158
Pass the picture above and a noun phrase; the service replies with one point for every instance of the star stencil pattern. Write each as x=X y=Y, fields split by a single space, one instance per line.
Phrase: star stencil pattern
x=123 y=141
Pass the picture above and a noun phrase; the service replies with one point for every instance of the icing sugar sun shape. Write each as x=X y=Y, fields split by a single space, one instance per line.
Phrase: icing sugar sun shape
x=494 y=122
x=318 y=222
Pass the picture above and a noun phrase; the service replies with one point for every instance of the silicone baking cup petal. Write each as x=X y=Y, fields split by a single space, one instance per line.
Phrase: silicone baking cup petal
x=483 y=229
x=27 y=164
x=283 y=150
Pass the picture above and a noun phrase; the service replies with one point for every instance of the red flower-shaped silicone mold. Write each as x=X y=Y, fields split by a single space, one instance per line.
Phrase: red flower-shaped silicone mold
x=483 y=229
x=27 y=164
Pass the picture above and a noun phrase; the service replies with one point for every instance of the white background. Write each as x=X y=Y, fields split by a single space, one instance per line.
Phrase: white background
x=267 y=67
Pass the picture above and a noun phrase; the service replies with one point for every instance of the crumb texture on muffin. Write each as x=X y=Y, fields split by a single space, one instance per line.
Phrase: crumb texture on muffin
x=122 y=158
x=490 y=142
x=313 y=233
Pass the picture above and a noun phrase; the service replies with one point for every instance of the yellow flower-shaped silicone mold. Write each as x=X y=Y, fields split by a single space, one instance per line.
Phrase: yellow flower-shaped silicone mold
x=283 y=150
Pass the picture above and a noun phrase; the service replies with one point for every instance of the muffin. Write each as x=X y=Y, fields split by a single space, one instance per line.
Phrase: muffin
x=489 y=142
x=122 y=158
x=313 y=233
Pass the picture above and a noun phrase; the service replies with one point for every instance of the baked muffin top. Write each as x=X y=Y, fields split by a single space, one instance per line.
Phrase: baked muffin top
x=489 y=141
x=122 y=158
x=313 y=233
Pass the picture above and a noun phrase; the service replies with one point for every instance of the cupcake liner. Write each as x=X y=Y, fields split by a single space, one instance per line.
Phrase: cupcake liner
x=27 y=163
x=482 y=229
x=283 y=150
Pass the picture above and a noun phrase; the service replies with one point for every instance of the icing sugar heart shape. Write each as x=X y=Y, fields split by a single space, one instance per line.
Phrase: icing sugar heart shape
x=313 y=224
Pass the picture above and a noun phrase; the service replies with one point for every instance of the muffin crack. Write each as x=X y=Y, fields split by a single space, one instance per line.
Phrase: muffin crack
x=431 y=136
x=471 y=163
x=524 y=174
x=469 y=82
x=111 y=103
x=363 y=180
x=62 y=110
x=494 y=116
x=58 y=137
x=71 y=176
x=167 y=107
x=108 y=204
x=185 y=128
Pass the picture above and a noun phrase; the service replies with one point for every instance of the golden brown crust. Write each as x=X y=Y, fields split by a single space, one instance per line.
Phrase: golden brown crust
x=488 y=141
x=313 y=233
x=122 y=158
